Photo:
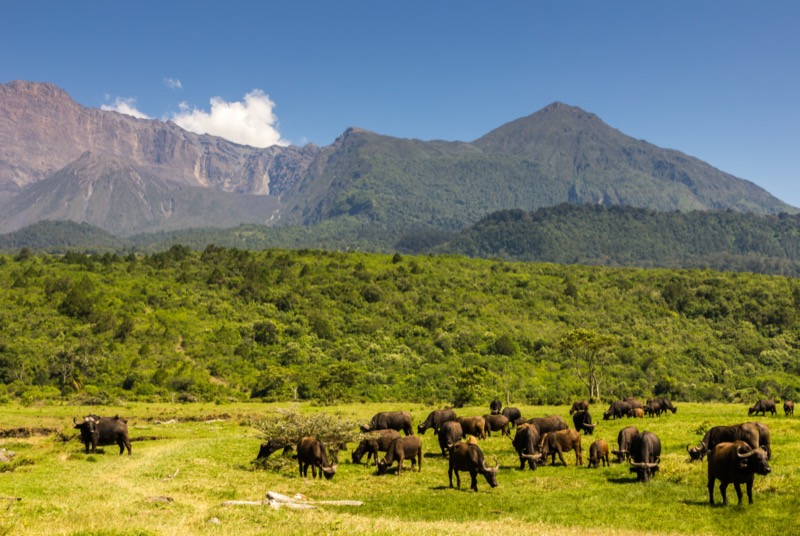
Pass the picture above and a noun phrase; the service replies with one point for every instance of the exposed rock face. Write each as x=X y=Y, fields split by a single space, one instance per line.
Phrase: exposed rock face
x=42 y=130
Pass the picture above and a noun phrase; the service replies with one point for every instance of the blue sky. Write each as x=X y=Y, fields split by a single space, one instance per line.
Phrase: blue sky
x=716 y=79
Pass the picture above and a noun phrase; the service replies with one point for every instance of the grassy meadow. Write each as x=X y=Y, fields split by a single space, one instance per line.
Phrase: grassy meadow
x=182 y=472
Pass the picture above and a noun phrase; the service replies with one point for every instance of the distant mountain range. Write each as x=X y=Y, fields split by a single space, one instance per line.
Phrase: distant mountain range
x=62 y=161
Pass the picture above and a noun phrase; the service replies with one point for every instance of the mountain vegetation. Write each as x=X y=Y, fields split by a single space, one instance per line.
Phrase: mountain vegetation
x=330 y=327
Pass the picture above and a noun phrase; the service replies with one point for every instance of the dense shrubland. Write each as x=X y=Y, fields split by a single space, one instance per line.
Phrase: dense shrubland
x=226 y=324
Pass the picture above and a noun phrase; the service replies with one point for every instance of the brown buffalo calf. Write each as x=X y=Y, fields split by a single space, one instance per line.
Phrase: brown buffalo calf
x=401 y=448
x=598 y=452
x=559 y=442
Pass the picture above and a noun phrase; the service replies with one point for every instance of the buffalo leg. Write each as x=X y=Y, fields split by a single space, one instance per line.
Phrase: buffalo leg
x=738 y=489
x=473 y=474
x=711 y=491
x=419 y=461
x=749 y=491
x=560 y=457
x=723 y=489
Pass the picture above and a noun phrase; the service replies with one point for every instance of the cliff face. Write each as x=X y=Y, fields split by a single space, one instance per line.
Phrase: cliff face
x=42 y=130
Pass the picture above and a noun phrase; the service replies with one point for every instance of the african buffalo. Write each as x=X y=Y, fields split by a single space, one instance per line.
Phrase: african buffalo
x=645 y=455
x=762 y=406
x=551 y=423
x=747 y=432
x=436 y=419
x=557 y=442
x=637 y=413
x=598 y=452
x=764 y=440
x=583 y=421
x=493 y=423
x=400 y=449
x=735 y=463
x=375 y=442
x=470 y=458
x=267 y=449
x=653 y=408
x=665 y=404
x=634 y=402
x=473 y=426
x=96 y=430
x=512 y=414
x=311 y=451
x=495 y=406
x=390 y=420
x=617 y=409
x=624 y=439
x=526 y=442
x=788 y=407
x=581 y=405
x=449 y=434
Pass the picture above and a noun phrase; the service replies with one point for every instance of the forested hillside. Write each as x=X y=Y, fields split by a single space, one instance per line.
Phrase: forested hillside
x=331 y=327
x=628 y=236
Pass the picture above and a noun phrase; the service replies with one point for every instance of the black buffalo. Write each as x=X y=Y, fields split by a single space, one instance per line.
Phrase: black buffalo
x=762 y=406
x=449 y=434
x=551 y=423
x=645 y=455
x=653 y=408
x=268 y=448
x=470 y=458
x=526 y=443
x=436 y=419
x=311 y=452
x=580 y=405
x=750 y=433
x=665 y=404
x=495 y=423
x=583 y=421
x=96 y=430
x=735 y=463
x=788 y=407
x=495 y=406
x=512 y=414
x=624 y=439
x=618 y=409
x=375 y=442
x=400 y=449
x=390 y=420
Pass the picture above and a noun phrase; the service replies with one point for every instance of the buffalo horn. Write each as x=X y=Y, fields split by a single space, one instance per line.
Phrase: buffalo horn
x=740 y=455
x=75 y=420
x=688 y=449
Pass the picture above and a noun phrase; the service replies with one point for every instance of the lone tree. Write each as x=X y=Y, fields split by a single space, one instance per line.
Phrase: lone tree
x=590 y=352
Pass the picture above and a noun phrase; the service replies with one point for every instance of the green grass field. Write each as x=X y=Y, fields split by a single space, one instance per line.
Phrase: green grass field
x=53 y=487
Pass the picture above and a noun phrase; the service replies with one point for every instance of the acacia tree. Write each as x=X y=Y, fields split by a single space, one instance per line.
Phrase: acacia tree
x=590 y=352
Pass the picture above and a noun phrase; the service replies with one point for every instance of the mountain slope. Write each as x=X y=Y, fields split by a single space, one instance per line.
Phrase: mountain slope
x=113 y=194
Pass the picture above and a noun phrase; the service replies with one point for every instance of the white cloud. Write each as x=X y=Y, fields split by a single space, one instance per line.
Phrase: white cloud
x=124 y=106
x=251 y=122
x=173 y=83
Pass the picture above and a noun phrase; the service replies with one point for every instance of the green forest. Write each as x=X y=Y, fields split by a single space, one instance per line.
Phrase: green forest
x=331 y=327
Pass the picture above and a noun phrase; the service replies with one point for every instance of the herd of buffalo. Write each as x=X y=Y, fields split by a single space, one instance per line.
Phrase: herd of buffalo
x=735 y=453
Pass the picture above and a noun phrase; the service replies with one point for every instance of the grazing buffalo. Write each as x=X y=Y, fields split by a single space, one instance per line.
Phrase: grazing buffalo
x=583 y=421
x=558 y=442
x=581 y=405
x=750 y=433
x=495 y=406
x=449 y=434
x=311 y=451
x=512 y=414
x=400 y=449
x=762 y=406
x=637 y=413
x=470 y=458
x=624 y=439
x=598 y=452
x=526 y=442
x=390 y=420
x=645 y=455
x=735 y=463
x=551 y=423
x=270 y=447
x=375 y=442
x=494 y=423
x=653 y=408
x=788 y=407
x=618 y=409
x=473 y=426
x=436 y=419
x=634 y=402
x=665 y=404
x=96 y=430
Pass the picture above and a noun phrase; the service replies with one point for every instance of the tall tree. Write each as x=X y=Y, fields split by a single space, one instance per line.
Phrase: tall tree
x=590 y=352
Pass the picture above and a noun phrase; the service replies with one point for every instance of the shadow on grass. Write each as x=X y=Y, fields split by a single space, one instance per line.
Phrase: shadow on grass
x=436 y=455
x=623 y=480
